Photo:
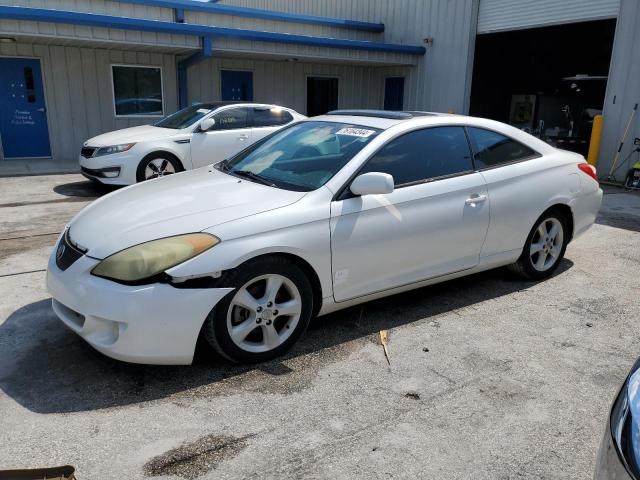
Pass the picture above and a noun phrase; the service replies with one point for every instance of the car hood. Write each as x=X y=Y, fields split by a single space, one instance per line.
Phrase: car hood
x=131 y=135
x=182 y=203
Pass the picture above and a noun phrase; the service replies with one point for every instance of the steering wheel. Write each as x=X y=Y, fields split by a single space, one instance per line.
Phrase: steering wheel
x=307 y=151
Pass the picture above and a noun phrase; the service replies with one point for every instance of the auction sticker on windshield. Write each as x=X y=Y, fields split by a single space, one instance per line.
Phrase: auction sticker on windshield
x=355 y=132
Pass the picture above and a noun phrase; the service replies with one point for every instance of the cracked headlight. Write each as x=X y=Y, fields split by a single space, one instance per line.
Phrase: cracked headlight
x=113 y=149
x=151 y=258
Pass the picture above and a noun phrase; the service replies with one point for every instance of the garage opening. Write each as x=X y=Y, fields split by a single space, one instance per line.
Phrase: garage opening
x=548 y=81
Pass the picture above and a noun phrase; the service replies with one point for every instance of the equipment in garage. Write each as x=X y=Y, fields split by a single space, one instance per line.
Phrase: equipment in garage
x=622 y=140
x=632 y=180
x=549 y=81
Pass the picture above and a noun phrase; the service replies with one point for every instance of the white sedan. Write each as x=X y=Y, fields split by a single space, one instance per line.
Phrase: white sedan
x=190 y=138
x=324 y=214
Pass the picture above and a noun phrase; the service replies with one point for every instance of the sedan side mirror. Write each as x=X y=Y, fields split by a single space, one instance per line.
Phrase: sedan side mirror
x=207 y=124
x=373 y=183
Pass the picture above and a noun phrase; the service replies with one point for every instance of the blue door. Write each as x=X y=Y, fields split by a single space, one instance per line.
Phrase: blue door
x=23 y=113
x=236 y=85
x=393 y=93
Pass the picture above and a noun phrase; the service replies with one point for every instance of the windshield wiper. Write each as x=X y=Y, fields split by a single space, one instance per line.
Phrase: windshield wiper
x=252 y=176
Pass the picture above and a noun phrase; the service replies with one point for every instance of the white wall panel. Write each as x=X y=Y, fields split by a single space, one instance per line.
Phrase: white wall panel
x=441 y=79
x=80 y=32
x=500 y=15
x=623 y=91
x=285 y=83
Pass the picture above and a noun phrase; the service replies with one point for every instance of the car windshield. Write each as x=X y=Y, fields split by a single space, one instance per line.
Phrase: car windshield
x=302 y=157
x=185 y=117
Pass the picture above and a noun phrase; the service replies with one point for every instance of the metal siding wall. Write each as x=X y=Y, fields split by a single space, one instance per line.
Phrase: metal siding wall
x=624 y=87
x=498 y=15
x=80 y=106
x=121 y=9
x=441 y=79
x=284 y=83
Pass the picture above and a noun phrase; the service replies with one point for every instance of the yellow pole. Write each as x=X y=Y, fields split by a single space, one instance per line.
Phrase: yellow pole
x=596 y=136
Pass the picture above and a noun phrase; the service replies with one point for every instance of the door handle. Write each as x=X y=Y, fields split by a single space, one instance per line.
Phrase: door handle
x=243 y=136
x=475 y=199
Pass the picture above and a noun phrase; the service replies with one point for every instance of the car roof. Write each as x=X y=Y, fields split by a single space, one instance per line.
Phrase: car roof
x=242 y=103
x=406 y=120
x=380 y=119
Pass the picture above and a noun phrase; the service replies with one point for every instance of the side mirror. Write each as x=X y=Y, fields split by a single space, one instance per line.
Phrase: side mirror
x=373 y=183
x=207 y=124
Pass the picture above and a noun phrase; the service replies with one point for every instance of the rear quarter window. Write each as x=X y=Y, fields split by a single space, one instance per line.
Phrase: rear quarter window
x=492 y=149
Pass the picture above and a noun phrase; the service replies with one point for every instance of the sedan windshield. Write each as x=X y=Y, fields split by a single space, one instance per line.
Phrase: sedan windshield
x=185 y=117
x=302 y=157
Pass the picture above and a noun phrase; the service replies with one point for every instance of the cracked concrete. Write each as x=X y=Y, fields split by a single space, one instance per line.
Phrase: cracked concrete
x=490 y=377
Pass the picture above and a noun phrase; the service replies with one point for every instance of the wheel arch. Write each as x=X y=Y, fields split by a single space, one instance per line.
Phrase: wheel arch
x=301 y=263
x=168 y=153
x=566 y=211
x=308 y=270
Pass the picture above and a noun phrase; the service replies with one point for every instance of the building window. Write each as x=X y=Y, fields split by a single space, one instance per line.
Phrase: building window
x=322 y=95
x=137 y=91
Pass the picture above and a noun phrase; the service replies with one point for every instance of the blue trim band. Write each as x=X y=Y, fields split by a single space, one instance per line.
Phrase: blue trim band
x=126 y=23
x=259 y=13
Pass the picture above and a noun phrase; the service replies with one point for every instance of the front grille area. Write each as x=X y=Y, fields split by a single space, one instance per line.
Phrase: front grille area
x=67 y=253
x=87 y=152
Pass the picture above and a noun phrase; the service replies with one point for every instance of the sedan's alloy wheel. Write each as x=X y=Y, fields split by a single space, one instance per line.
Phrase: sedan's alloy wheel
x=158 y=167
x=263 y=313
x=546 y=245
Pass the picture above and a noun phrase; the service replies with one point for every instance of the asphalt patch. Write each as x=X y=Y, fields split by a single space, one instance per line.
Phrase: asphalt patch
x=191 y=460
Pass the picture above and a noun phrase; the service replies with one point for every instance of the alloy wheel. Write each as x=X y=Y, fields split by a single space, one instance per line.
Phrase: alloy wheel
x=158 y=167
x=546 y=244
x=263 y=313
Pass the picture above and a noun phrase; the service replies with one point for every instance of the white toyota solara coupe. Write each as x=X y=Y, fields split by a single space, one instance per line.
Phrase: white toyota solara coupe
x=321 y=215
x=190 y=138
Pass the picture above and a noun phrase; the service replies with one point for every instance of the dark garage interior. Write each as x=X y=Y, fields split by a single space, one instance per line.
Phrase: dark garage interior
x=548 y=81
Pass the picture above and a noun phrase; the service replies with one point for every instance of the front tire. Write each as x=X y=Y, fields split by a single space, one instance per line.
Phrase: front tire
x=266 y=313
x=157 y=165
x=544 y=248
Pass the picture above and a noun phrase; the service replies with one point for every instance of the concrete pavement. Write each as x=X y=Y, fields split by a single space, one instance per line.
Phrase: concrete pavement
x=490 y=377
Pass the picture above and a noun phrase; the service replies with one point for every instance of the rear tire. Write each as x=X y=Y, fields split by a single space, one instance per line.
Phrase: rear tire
x=157 y=165
x=545 y=247
x=266 y=313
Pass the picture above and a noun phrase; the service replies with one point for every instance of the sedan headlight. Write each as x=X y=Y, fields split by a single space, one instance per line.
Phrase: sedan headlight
x=151 y=258
x=625 y=422
x=113 y=149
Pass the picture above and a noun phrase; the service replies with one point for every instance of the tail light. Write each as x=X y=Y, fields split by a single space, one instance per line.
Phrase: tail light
x=589 y=170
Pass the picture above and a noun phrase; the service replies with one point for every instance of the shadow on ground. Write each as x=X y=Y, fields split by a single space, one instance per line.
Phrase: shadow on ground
x=48 y=369
x=83 y=189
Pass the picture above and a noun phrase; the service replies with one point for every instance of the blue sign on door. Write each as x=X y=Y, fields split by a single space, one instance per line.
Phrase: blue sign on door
x=236 y=85
x=23 y=113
